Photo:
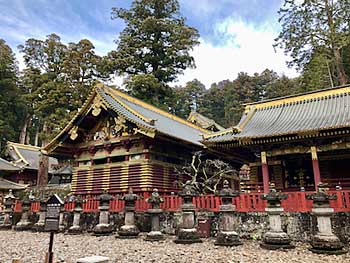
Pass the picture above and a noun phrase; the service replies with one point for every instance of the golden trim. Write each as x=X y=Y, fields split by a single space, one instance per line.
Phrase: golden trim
x=263 y=158
x=15 y=147
x=298 y=98
x=155 y=109
x=229 y=130
x=313 y=153
x=250 y=115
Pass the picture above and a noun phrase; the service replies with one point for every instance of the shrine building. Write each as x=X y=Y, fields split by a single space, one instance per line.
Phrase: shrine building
x=294 y=141
x=117 y=142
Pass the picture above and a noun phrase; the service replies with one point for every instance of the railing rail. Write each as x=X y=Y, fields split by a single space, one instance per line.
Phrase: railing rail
x=250 y=202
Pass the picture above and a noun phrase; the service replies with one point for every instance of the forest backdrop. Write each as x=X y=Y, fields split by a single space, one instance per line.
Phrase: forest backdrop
x=151 y=51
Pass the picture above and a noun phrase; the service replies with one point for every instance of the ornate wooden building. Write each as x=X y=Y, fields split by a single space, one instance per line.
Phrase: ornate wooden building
x=117 y=142
x=23 y=164
x=295 y=141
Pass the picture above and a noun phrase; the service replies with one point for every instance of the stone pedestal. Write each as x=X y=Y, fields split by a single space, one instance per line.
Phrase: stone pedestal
x=61 y=226
x=40 y=225
x=324 y=241
x=9 y=203
x=188 y=233
x=275 y=238
x=24 y=223
x=129 y=229
x=227 y=235
x=155 y=200
x=103 y=227
x=76 y=228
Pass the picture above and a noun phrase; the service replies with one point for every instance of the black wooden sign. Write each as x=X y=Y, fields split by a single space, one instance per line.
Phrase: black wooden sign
x=53 y=213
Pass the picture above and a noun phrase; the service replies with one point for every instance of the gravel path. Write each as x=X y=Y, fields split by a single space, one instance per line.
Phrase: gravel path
x=31 y=248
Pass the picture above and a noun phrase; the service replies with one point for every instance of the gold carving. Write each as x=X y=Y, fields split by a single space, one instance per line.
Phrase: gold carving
x=96 y=107
x=73 y=133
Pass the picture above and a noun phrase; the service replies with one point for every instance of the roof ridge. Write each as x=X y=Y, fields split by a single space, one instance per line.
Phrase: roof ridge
x=24 y=146
x=155 y=109
x=149 y=121
x=298 y=97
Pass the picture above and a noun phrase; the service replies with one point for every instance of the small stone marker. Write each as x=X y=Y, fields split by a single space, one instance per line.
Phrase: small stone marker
x=93 y=259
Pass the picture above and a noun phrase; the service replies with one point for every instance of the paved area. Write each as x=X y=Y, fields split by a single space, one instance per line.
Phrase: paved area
x=31 y=248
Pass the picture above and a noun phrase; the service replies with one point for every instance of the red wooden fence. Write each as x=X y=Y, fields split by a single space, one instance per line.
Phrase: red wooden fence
x=296 y=202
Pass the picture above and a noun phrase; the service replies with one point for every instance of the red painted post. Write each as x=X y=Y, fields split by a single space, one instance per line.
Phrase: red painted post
x=265 y=172
x=315 y=166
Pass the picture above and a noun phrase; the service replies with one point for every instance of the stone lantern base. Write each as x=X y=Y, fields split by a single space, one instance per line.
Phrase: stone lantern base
x=276 y=240
x=154 y=236
x=75 y=230
x=23 y=226
x=327 y=244
x=103 y=230
x=5 y=226
x=227 y=238
x=187 y=236
x=130 y=231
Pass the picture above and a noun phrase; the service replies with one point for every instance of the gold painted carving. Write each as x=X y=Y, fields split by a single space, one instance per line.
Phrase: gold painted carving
x=144 y=132
x=263 y=158
x=96 y=107
x=73 y=133
x=313 y=153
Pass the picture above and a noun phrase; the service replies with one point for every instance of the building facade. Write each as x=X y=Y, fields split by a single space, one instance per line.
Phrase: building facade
x=294 y=142
x=117 y=142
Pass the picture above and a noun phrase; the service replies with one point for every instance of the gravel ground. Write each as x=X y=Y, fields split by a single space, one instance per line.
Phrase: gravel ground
x=31 y=247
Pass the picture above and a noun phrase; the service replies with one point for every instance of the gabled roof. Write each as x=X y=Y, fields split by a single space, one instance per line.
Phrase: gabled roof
x=204 y=122
x=7 y=185
x=27 y=156
x=7 y=166
x=308 y=113
x=148 y=118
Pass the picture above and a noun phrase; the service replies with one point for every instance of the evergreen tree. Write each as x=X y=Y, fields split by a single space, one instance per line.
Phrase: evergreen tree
x=11 y=104
x=312 y=26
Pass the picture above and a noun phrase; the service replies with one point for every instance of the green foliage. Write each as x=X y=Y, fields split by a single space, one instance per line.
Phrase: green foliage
x=11 y=105
x=311 y=27
x=149 y=89
x=187 y=98
x=56 y=81
x=155 y=41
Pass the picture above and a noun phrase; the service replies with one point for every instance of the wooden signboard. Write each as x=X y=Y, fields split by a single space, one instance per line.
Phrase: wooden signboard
x=53 y=213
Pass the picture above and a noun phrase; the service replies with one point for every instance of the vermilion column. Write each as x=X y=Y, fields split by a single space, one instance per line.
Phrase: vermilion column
x=315 y=166
x=265 y=172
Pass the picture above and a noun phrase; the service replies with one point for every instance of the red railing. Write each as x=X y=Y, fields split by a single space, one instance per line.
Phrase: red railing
x=296 y=202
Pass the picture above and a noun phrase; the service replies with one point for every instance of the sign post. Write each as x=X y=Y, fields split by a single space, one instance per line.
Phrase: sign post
x=52 y=221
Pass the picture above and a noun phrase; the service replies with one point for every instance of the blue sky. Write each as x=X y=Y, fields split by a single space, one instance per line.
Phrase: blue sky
x=236 y=35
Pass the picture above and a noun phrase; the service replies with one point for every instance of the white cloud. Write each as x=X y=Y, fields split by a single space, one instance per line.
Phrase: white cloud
x=243 y=47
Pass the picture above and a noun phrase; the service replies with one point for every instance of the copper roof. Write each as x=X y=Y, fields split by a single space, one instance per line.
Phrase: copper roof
x=304 y=113
x=138 y=112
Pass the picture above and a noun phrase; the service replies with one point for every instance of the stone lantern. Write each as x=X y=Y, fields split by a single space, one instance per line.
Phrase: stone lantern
x=104 y=227
x=188 y=234
x=155 y=200
x=76 y=228
x=39 y=226
x=129 y=229
x=9 y=203
x=24 y=223
x=275 y=238
x=227 y=235
x=324 y=241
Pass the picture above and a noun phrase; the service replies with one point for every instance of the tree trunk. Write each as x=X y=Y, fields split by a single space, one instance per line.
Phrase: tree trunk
x=23 y=134
x=36 y=139
x=43 y=172
x=27 y=140
x=342 y=78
